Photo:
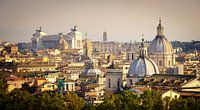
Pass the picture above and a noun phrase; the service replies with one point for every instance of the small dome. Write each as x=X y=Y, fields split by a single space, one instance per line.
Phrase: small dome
x=92 y=69
x=92 y=72
x=160 y=45
x=143 y=66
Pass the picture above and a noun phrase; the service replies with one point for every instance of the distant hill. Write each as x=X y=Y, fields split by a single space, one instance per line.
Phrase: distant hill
x=187 y=46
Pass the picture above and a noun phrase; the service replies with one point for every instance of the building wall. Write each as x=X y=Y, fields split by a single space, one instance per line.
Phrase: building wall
x=171 y=94
x=69 y=86
x=42 y=40
x=49 y=44
x=11 y=49
x=193 y=83
x=40 y=68
x=110 y=47
x=113 y=80
x=131 y=81
x=163 y=60
x=49 y=87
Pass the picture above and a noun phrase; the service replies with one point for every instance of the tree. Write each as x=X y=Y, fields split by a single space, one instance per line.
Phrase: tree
x=49 y=101
x=128 y=100
x=108 y=103
x=178 y=104
x=125 y=100
x=184 y=104
x=89 y=107
x=166 y=103
x=193 y=104
x=151 y=100
x=3 y=95
x=19 y=100
x=73 y=101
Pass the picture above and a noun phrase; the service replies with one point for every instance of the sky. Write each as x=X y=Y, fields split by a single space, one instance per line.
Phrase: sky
x=123 y=20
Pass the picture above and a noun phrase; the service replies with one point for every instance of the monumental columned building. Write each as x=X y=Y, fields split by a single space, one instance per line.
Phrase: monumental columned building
x=73 y=40
x=160 y=50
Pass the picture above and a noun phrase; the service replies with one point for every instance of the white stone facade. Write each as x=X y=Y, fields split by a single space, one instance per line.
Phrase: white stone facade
x=41 y=40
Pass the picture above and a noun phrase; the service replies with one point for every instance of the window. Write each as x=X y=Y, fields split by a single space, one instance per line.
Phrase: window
x=132 y=56
x=109 y=83
x=67 y=87
x=160 y=63
x=53 y=86
x=118 y=84
x=175 y=97
x=169 y=63
x=72 y=87
x=131 y=82
x=128 y=56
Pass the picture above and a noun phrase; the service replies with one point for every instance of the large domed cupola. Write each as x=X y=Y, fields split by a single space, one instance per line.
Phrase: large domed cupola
x=160 y=44
x=160 y=50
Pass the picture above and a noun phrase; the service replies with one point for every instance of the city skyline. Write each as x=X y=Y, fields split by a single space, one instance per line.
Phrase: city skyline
x=122 y=20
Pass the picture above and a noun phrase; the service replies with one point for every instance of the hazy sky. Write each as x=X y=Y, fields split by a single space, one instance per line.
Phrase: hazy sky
x=124 y=20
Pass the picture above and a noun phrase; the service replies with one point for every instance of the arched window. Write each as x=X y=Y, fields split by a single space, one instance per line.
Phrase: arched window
x=169 y=62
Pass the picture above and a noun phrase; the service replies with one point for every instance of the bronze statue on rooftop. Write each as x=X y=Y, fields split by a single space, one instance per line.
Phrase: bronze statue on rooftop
x=75 y=28
x=40 y=29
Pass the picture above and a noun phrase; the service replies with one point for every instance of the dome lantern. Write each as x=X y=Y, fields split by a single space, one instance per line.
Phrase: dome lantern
x=142 y=51
x=160 y=29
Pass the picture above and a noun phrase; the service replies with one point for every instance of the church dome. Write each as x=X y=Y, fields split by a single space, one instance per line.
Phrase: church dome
x=92 y=69
x=143 y=66
x=92 y=72
x=160 y=44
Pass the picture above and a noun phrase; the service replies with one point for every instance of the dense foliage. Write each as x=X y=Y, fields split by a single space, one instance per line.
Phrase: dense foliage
x=22 y=100
x=149 y=100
